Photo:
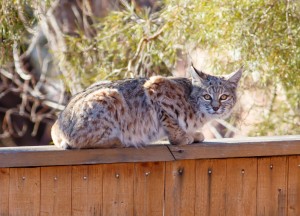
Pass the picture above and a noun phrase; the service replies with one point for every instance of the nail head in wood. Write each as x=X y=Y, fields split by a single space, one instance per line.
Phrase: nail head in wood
x=180 y=171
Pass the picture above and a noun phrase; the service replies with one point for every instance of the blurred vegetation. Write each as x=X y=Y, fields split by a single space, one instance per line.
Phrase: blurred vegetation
x=13 y=21
x=133 y=41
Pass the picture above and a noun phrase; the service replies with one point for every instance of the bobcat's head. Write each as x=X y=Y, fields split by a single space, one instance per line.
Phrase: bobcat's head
x=214 y=96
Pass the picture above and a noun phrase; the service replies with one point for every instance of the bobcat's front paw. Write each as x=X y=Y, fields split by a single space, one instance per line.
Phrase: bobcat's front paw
x=198 y=137
x=185 y=140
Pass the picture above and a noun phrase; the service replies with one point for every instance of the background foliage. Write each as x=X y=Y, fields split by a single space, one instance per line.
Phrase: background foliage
x=133 y=40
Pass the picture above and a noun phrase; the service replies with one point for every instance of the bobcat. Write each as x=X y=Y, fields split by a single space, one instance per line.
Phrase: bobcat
x=136 y=112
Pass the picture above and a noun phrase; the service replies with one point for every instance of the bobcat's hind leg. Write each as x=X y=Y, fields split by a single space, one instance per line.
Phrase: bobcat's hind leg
x=109 y=143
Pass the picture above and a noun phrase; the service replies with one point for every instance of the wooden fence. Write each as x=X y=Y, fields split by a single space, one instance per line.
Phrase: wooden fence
x=256 y=176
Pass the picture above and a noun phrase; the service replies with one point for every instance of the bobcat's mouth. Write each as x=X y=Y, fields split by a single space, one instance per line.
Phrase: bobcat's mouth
x=218 y=112
x=213 y=112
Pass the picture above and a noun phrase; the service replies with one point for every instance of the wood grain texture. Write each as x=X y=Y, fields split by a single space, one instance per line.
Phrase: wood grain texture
x=35 y=156
x=87 y=190
x=24 y=191
x=241 y=186
x=234 y=186
x=223 y=148
x=272 y=186
x=118 y=189
x=232 y=148
x=56 y=191
x=4 y=191
x=294 y=186
x=149 y=179
x=210 y=187
x=180 y=188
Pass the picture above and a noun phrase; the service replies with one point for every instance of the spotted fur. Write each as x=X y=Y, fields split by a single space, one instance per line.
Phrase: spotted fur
x=135 y=112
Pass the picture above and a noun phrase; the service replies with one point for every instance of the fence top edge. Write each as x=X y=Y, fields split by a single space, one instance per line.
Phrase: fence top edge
x=223 y=141
x=216 y=148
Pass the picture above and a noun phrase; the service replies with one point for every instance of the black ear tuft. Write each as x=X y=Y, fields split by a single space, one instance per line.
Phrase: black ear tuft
x=235 y=76
x=197 y=75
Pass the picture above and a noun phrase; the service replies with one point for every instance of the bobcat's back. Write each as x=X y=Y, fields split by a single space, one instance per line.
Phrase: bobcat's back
x=124 y=113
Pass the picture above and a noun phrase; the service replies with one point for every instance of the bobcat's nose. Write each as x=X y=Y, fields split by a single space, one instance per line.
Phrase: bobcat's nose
x=215 y=108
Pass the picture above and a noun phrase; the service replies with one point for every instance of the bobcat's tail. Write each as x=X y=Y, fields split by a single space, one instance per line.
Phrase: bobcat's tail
x=58 y=137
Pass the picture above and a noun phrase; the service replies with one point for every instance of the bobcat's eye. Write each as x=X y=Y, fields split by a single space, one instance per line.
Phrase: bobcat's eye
x=224 y=97
x=207 y=97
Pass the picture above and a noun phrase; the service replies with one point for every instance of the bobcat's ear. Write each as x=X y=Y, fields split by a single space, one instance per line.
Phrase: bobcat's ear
x=235 y=77
x=197 y=76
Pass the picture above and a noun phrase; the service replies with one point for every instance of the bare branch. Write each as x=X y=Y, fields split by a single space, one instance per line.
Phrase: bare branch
x=141 y=44
x=18 y=66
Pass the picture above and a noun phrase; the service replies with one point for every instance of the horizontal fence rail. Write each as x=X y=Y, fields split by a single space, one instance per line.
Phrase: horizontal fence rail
x=222 y=148
x=254 y=176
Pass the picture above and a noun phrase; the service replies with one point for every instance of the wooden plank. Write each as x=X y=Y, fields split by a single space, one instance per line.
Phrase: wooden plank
x=180 y=188
x=272 y=186
x=56 y=191
x=294 y=186
x=231 y=148
x=241 y=186
x=24 y=191
x=87 y=190
x=118 y=189
x=35 y=156
x=210 y=187
x=224 y=148
x=4 y=191
x=149 y=181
